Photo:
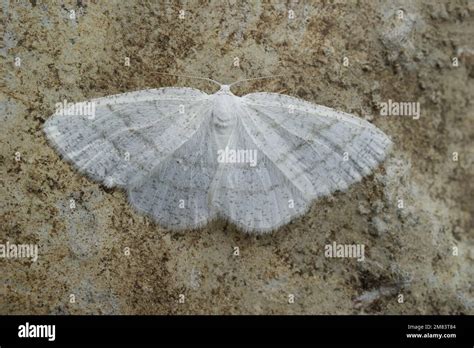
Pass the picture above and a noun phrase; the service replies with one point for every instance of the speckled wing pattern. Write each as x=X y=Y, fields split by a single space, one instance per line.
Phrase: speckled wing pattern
x=135 y=141
x=161 y=146
x=312 y=151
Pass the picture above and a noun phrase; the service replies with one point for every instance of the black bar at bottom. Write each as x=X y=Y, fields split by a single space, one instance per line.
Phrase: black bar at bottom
x=344 y=330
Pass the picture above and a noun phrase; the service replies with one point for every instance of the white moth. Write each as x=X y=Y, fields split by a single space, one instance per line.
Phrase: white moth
x=186 y=157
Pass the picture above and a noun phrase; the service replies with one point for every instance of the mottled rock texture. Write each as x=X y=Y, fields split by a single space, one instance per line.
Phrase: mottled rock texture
x=403 y=56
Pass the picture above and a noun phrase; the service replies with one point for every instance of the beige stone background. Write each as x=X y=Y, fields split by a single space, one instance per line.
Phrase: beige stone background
x=409 y=251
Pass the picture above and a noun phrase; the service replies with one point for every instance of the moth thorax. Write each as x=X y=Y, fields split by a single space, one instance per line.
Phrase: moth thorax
x=223 y=115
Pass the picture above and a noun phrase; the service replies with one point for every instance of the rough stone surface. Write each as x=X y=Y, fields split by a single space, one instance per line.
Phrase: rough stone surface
x=82 y=251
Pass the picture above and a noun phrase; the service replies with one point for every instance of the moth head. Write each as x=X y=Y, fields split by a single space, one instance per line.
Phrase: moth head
x=225 y=88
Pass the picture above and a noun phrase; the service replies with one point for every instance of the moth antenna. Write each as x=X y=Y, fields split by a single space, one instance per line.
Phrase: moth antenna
x=257 y=78
x=193 y=77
